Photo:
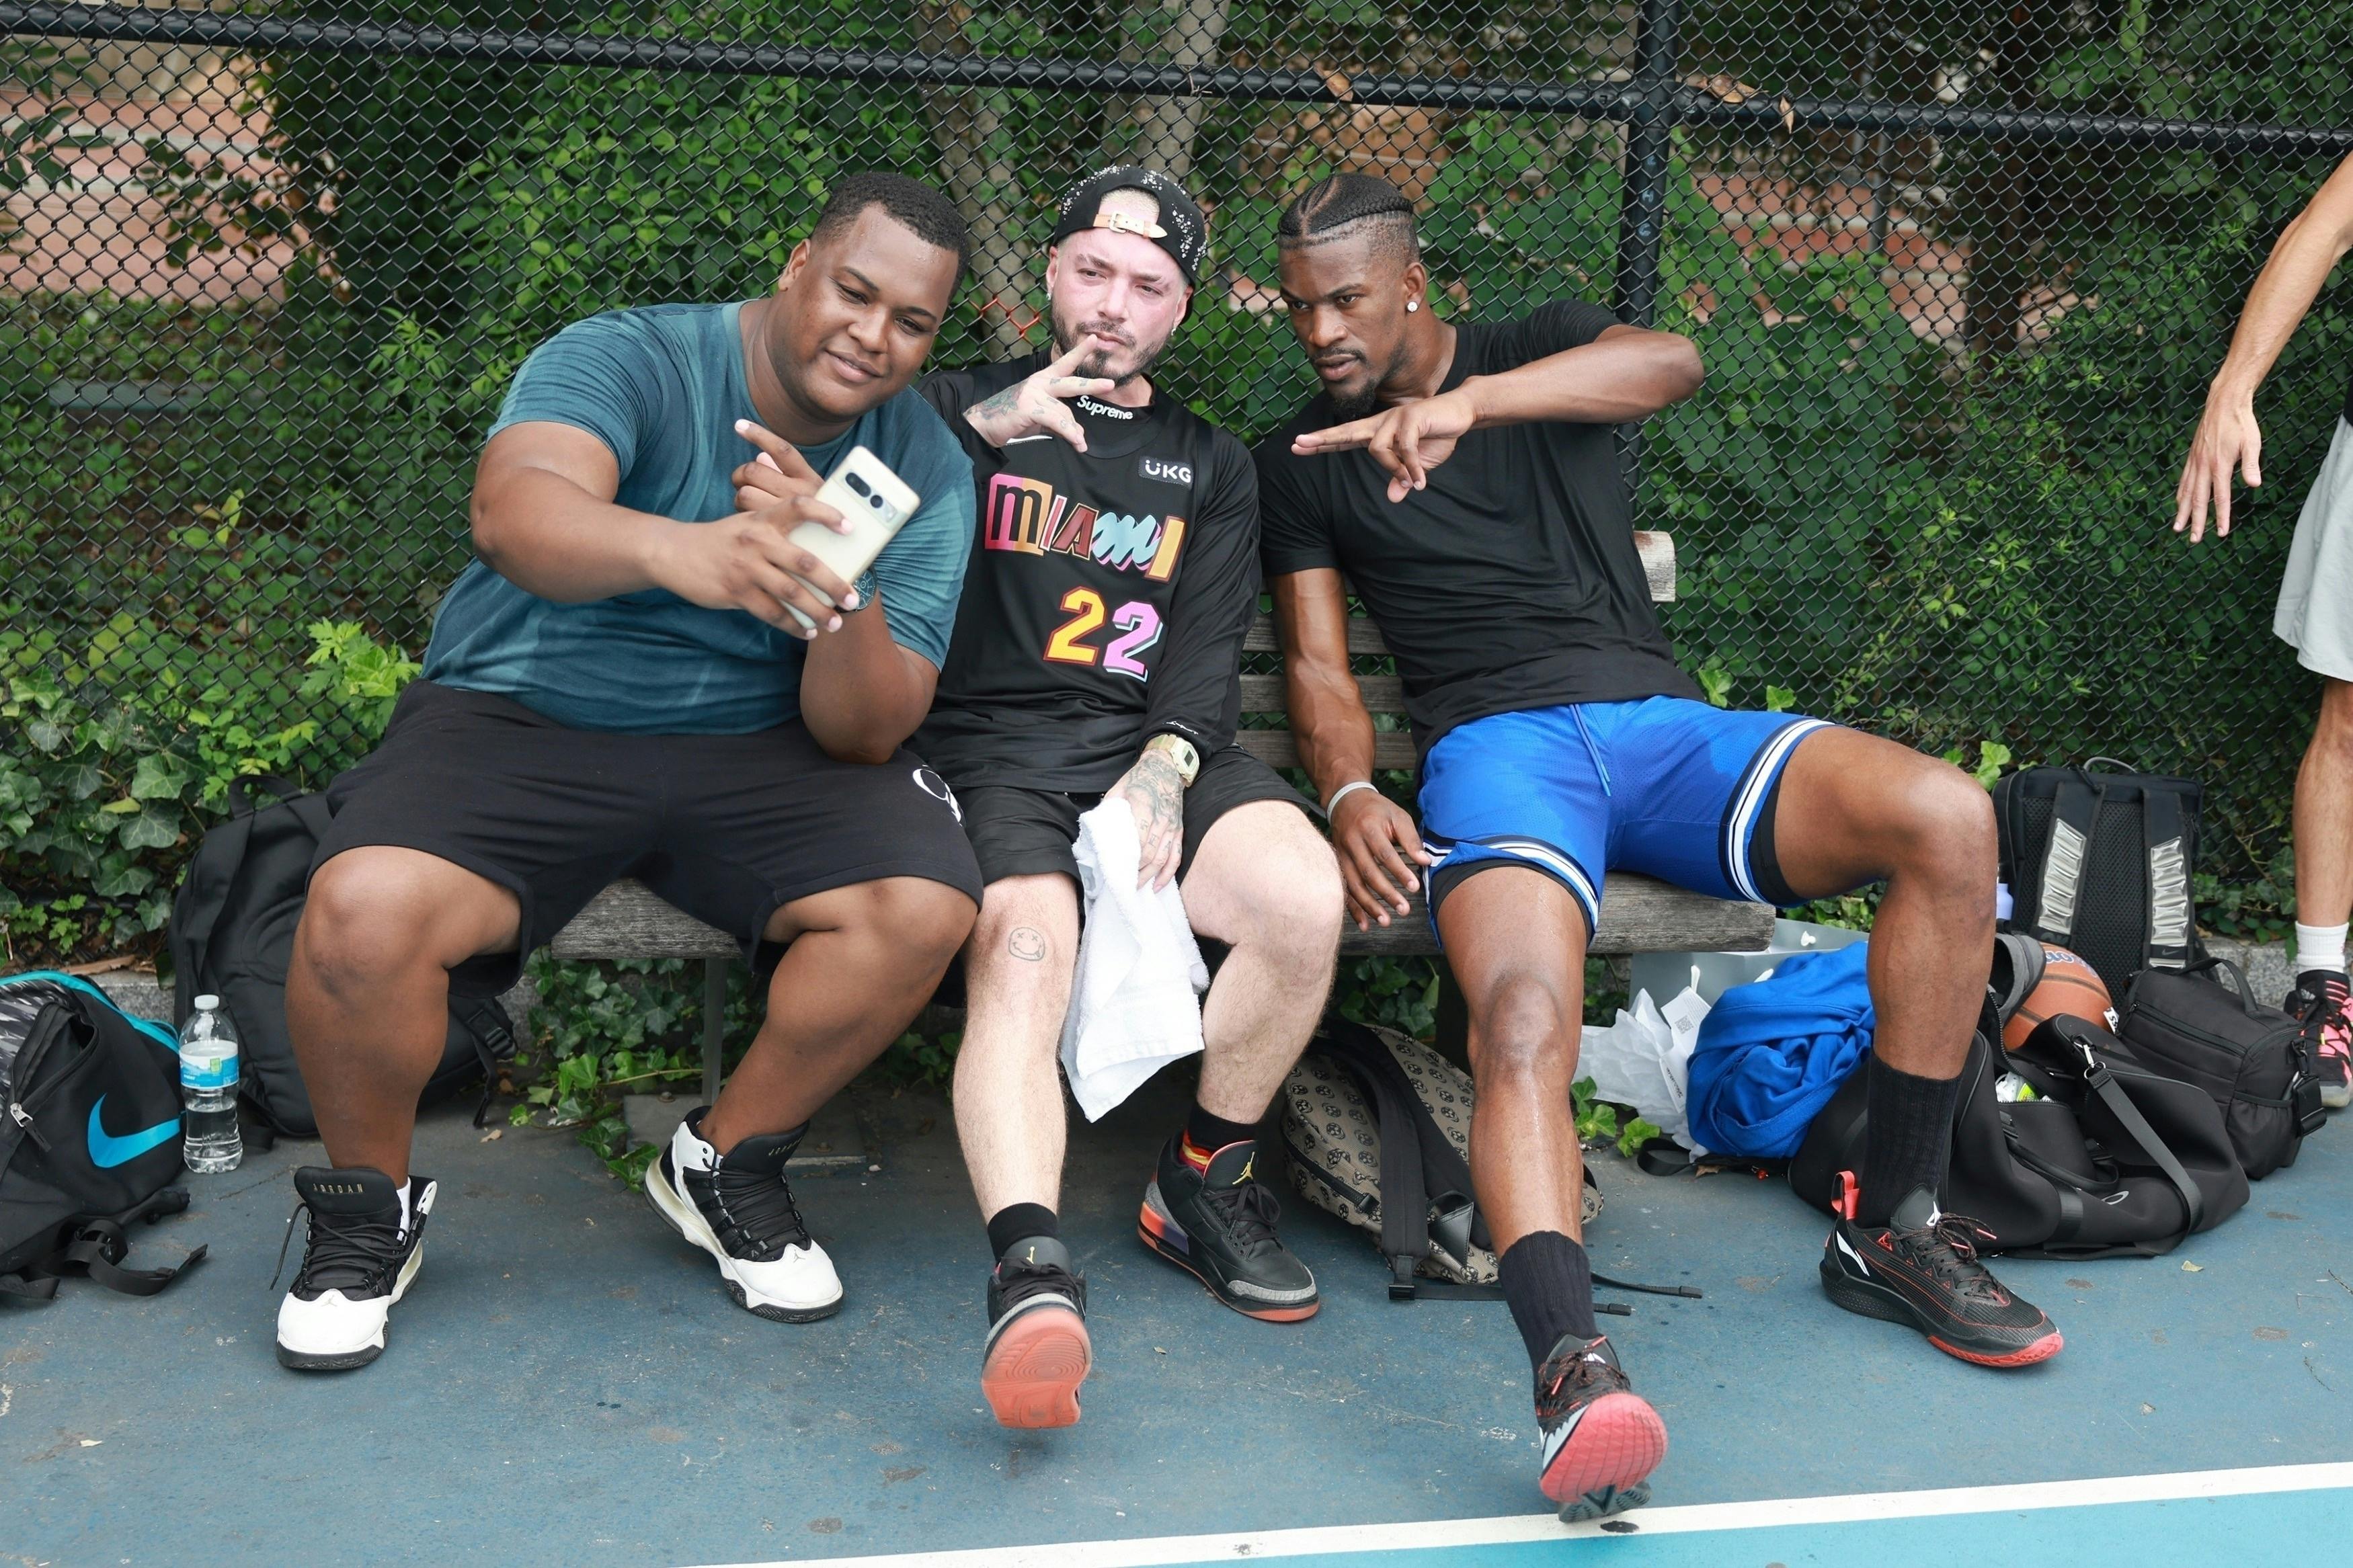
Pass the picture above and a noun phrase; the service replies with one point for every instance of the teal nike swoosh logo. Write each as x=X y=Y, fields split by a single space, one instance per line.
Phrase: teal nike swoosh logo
x=106 y=1150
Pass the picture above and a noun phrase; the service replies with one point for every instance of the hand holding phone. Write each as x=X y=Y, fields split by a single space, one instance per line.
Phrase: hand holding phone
x=864 y=505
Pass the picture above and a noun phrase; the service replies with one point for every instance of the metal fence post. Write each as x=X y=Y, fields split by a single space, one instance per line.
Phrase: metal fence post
x=1642 y=215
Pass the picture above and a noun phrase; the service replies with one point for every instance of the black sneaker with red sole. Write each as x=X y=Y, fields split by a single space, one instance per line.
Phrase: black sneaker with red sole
x=2323 y=1003
x=1922 y=1270
x=1598 y=1439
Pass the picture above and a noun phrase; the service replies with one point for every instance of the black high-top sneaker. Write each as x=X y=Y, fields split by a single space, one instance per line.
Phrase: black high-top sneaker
x=1208 y=1213
x=1921 y=1269
x=1038 y=1350
x=2323 y=1003
x=1599 y=1439
x=356 y=1262
x=741 y=1212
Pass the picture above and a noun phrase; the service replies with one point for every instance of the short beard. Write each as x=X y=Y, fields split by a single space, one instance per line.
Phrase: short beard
x=1091 y=364
x=1357 y=408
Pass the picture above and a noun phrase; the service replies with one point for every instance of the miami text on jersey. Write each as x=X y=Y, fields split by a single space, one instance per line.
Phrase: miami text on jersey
x=1026 y=516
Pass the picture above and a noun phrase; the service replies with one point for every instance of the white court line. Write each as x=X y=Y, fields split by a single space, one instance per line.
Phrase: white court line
x=1518 y=1528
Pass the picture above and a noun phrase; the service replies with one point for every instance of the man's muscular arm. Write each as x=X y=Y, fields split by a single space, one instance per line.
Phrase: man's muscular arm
x=1624 y=374
x=1377 y=845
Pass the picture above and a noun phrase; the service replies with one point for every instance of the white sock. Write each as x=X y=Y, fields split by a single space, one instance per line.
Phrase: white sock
x=691 y=1152
x=2320 y=947
x=404 y=1204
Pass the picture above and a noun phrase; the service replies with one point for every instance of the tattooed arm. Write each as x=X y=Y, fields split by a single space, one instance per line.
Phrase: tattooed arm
x=1036 y=406
x=1155 y=792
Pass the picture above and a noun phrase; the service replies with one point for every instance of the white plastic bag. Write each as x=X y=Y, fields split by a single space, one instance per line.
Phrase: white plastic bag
x=1644 y=1059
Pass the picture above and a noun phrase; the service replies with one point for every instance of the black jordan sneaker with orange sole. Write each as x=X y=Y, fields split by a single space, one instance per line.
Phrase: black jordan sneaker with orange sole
x=1207 y=1212
x=1922 y=1270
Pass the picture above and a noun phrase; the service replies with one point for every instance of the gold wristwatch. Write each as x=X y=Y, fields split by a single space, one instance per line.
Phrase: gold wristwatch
x=1181 y=751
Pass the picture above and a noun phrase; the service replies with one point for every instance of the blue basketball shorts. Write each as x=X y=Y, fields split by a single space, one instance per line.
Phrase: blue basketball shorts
x=1668 y=787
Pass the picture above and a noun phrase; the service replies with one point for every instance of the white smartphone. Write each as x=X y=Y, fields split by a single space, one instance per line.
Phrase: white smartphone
x=876 y=503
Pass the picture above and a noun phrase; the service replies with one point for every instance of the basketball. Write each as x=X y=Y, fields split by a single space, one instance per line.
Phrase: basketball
x=2068 y=986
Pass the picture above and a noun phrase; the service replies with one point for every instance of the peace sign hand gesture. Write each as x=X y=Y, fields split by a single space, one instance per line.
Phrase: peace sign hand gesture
x=1036 y=407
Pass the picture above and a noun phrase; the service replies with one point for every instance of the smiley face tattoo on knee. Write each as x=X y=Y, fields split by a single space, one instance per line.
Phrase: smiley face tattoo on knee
x=1026 y=943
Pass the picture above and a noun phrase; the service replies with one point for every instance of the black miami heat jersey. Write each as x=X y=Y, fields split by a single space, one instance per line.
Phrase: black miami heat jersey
x=1106 y=594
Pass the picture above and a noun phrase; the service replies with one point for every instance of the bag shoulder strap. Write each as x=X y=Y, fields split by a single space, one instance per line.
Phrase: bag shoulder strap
x=2075 y=805
x=2169 y=935
x=2103 y=1082
x=1405 y=1199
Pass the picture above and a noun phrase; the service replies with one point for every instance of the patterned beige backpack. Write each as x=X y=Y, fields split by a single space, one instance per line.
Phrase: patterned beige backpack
x=1370 y=1111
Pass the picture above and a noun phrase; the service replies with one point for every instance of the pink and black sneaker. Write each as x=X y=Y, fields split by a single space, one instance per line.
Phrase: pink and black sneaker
x=2323 y=1003
x=1601 y=1440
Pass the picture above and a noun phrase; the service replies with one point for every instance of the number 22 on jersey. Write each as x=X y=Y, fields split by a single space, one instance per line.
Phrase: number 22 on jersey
x=1138 y=623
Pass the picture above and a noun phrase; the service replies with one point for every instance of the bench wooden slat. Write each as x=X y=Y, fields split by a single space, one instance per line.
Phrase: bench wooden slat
x=629 y=920
x=1639 y=914
x=1362 y=637
x=1382 y=693
x=1276 y=749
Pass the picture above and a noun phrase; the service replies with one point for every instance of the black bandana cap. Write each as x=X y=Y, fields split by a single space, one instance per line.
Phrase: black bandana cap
x=1181 y=231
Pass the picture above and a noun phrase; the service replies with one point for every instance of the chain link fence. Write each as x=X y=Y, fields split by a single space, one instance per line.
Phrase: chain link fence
x=1959 y=272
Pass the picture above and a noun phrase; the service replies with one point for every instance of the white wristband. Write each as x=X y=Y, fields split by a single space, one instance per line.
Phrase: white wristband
x=1344 y=791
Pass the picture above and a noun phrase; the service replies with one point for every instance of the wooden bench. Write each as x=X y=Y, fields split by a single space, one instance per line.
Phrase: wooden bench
x=1638 y=914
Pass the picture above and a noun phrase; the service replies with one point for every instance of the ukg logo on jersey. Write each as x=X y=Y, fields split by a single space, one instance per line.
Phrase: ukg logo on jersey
x=1026 y=517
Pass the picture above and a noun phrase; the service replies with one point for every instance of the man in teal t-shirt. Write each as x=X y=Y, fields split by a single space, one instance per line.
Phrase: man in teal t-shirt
x=617 y=687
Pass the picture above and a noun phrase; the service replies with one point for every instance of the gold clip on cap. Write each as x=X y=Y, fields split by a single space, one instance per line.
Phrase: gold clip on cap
x=1125 y=223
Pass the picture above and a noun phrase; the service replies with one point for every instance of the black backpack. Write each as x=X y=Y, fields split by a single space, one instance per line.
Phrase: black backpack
x=232 y=936
x=2101 y=863
x=90 y=1142
x=2110 y=1160
x=2206 y=1027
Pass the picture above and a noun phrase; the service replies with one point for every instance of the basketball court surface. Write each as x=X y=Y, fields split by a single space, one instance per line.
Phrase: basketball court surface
x=567 y=1384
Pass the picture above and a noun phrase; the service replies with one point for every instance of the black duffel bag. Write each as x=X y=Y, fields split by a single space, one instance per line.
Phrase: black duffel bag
x=2112 y=1160
x=2205 y=1027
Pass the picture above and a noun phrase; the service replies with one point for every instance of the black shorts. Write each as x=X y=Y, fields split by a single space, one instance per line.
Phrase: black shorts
x=1028 y=832
x=727 y=827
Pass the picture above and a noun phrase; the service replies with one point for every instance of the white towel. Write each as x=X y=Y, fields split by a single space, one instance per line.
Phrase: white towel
x=1135 y=1007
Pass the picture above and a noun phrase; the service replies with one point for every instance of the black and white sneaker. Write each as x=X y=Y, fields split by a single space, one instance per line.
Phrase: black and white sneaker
x=738 y=1208
x=356 y=1262
x=1038 y=1350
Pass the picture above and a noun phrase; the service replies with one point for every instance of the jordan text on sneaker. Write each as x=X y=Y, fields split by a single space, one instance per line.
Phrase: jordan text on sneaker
x=1922 y=1270
x=1038 y=1352
x=737 y=1207
x=356 y=1263
x=1598 y=1439
x=1207 y=1212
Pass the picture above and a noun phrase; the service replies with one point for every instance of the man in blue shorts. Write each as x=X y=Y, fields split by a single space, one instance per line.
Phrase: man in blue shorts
x=1466 y=481
x=619 y=687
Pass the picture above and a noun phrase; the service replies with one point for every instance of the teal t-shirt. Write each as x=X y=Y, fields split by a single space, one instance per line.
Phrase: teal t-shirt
x=662 y=387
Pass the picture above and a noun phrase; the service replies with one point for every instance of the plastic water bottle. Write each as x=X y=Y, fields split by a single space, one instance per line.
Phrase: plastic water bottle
x=209 y=1068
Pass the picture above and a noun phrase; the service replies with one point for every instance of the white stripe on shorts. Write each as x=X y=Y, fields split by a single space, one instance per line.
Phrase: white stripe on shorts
x=1762 y=770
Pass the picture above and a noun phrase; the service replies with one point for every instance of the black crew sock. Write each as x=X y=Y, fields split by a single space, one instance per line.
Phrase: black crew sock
x=1908 y=1137
x=1210 y=1134
x=1017 y=1223
x=1548 y=1284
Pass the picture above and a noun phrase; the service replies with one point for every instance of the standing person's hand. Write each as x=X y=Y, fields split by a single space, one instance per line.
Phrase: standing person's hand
x=1038 y=405
x=1379 y=848
x=747 y=561
x=2229 y=440
x=1407 y=441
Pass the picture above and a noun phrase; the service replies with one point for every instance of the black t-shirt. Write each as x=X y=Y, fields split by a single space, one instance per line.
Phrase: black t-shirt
x=1106 y=596
x=1512 y=581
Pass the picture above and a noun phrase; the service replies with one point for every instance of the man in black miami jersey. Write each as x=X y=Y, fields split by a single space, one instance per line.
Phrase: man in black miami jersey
x=1097 y=654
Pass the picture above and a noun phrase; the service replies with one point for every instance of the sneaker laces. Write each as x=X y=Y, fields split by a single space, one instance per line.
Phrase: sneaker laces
x=355 y=1250
x=1018 y=1281
x=1249 y=1213
x=760 y=1210
x=1948 y=1249
x=2327 y=1029
x=1564 y=1382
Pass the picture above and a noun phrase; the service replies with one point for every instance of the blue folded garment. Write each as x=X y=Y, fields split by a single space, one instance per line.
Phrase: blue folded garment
x=1772 y=1053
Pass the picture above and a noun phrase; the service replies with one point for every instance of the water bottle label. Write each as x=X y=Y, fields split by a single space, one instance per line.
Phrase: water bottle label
x=215 y=1072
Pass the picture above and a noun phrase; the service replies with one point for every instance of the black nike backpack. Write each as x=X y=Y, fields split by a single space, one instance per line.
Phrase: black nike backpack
x=90 y=1142
x=2101 y=863
x=232 y=936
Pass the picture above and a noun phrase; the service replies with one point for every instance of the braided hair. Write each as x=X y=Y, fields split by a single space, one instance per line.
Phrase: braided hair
x=1340 y=205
